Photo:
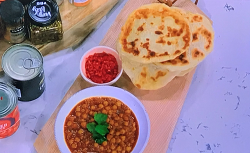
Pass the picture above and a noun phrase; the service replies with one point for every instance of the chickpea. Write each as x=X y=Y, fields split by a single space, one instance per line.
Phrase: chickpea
x=87 y=142
x=110 y=112
x=92 y=107
x=83 y=124
x=100 y=106
x=134 y=129
x=120 y=115
x=126 y=123
x=78 y=114
x=112 y=147
x=105 y=143
x=128 y=148
x=69 y=123
x=118 y=103
x=101 y=148
x=107 y=120
x=74 y=145
x=119 y=148
x=91 y=113
x=111 y=131
x=111 y=122
x=109 y=150
x=113 y=140
x=77 y=139
x=83 y=110
x=84 y=116
x=118 y=140
x=107 y=108
x=80 y=131
x=127 y=111
x=117 y=118
x=105 y=103
x=125 y=117
x=71 y=141
x=104 y=111
x=123 y=131
x=92 y=120
x=116 y=124
x=123 y=138
x=114 y=107
x=78 y=108
x=123 y=151
x=95 y=144
x=114 y=151
x=117 y=133
x=109 y=137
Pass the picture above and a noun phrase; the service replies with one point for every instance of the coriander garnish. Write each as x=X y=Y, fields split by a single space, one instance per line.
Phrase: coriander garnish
x=99 y=128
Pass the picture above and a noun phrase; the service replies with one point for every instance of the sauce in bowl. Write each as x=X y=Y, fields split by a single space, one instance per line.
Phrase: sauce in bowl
x=122 y=125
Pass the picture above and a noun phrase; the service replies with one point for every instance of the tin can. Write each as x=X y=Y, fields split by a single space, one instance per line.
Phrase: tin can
x=23 y=68
x=9 y=112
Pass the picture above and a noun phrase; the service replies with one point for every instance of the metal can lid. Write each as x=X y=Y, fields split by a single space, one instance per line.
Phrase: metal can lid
x=8 y=99
x=22 y=62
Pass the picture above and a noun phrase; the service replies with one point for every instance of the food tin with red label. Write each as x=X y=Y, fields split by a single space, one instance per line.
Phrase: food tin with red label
x=9 y=113
x=23 y=68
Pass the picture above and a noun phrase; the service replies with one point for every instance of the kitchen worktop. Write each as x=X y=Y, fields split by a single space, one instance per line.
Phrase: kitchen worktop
x=216 y=114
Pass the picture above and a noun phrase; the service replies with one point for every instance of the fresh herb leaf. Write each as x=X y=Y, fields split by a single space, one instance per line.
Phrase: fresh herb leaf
x=105 y=124
x=102 y=129
x=96 y=135
x=91 y=127
x=100 y=118
x=101 y=140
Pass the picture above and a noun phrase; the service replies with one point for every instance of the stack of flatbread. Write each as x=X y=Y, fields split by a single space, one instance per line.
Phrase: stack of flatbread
x=158 y=43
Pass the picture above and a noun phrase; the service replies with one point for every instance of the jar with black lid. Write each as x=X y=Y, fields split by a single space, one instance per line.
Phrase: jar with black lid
x=44 y=21
x=12 y=13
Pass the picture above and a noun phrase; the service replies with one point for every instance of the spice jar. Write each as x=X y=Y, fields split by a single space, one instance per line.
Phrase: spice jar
x=12 y=13
x=45 y=24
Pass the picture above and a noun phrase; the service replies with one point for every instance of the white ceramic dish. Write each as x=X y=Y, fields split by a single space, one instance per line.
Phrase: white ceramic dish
x=109 y=91
x=100 y=49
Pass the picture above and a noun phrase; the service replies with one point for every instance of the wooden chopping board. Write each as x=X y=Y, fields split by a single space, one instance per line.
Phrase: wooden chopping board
x=163 y=106
x=77 y=22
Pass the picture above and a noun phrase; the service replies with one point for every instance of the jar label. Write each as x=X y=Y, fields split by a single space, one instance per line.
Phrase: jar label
x=17 y=35
x=42 y=10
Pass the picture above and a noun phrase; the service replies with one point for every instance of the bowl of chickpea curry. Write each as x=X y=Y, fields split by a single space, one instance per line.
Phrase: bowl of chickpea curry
x=102 y=119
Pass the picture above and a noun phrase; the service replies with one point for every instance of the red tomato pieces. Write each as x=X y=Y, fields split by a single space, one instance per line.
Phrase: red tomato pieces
x=101 y=67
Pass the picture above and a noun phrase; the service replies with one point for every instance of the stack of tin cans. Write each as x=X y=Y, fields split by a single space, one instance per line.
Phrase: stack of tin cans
x=22 y=79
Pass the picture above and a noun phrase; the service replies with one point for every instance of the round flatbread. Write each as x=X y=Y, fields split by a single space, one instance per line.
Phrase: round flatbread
x=202 y=44
x=154 y=33
x=147 y=76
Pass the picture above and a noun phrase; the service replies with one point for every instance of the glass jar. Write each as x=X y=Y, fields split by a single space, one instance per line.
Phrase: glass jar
x=12 y=13
x=44 y=22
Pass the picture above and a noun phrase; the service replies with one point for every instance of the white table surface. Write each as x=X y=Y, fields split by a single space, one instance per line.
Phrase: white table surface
x=216 y=115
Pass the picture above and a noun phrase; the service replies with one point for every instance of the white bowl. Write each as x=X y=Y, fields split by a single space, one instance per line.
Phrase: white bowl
x=100 y=49
x=107 y=91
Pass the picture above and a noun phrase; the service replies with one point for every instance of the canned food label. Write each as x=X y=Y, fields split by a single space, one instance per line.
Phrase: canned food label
x=10 y=123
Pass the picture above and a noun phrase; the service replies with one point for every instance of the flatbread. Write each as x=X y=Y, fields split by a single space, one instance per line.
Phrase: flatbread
x=202 y=44
x=147 y=76
x=182 y=73
x=154 y=33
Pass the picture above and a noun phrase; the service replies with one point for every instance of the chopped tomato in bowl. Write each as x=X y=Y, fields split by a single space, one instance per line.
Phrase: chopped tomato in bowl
x=101 y=65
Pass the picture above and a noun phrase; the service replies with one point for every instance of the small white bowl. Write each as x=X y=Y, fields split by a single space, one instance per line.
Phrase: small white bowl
x=100 y=49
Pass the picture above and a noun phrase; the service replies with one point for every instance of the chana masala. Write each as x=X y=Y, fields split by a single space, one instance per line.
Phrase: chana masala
x=121 y=123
